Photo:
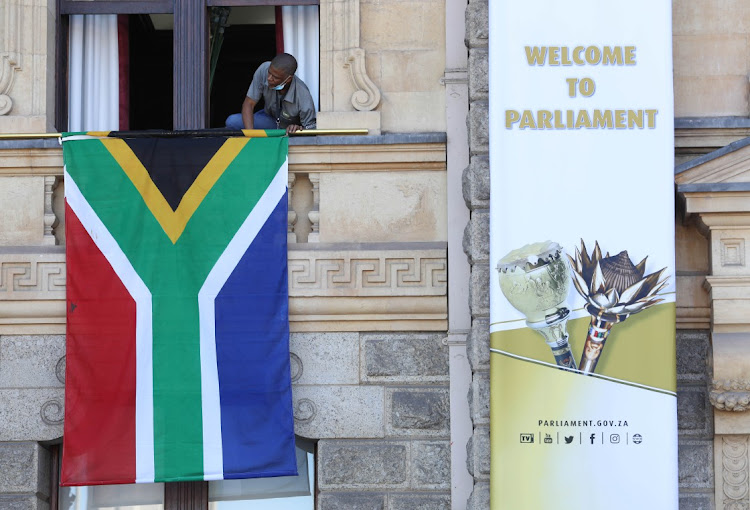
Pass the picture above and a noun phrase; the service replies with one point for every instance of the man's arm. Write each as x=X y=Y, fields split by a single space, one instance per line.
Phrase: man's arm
x=248 y=105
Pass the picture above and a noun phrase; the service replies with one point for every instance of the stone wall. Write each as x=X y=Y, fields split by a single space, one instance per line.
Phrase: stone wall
x=379 y=405
x=32 y=374
x=377 y=402
x=695 y=415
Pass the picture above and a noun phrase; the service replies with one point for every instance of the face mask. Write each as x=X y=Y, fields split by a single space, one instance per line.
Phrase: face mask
x=281 y=85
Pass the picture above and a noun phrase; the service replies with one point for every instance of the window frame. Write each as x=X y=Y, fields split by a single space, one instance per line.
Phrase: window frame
x=190 y=97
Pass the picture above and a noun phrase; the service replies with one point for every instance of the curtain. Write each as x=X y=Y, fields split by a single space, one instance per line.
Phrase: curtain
x=302 y=39
x=93 y=89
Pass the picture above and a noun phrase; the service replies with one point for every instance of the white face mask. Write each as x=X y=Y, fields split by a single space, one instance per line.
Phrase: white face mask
x=281 y=85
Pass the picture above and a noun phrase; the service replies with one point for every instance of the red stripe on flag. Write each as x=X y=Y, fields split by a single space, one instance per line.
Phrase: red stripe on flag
x=99 y=441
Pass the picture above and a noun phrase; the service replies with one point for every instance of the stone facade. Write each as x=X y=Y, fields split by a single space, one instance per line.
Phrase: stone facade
x=389 y=257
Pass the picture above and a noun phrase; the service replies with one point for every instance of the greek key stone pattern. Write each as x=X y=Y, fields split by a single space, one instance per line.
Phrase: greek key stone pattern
x=383 y=274
x=31 y=278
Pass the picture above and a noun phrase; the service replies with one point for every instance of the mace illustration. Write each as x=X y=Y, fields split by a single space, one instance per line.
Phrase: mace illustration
x=614 y=289
x=535 y=279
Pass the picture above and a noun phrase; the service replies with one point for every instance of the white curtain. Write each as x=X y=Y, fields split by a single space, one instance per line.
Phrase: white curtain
x=93 y=68
x=302 y=39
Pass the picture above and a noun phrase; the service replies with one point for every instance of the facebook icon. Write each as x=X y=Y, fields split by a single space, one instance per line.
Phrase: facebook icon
x=593 y=436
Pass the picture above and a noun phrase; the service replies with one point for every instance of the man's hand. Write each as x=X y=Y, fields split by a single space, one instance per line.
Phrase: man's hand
x=293 y=128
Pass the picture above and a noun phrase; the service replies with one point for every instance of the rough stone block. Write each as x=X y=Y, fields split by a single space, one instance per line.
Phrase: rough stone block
x=22 y=503
x=697 y=501
x=20 y=468
x=694 y=412
x=346 y=501
x=360 y=465
x=476 y=242
x=423 y=412
x=33 y=361
x=478 y=76
x=476 y=182
x=692 y=355
x=479 y=398
x=696 y=461
x=431 y=465
x=313 y=355
x=479 y=122
x=480 y=497
x=420 y=502
x=477 y=24
x=478 y=453
x=31 y=414
x=404 y=358
x=479 y=292
x=478 y=344
x=339 y=411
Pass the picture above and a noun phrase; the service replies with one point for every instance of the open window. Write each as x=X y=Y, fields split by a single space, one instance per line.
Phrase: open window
x=165 y=64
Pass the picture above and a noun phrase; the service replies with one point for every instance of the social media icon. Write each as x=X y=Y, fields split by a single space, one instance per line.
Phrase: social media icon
x=527 y=438
x=568 y=439
x=637 y=438
x=547 y=439
x=614 y=438
x=593 y=437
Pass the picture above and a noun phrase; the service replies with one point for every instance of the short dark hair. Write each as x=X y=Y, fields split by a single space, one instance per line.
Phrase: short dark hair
x=285 y=62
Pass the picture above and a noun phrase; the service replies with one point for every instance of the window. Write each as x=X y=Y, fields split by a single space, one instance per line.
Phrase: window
x=185 y=67
x=281 y=493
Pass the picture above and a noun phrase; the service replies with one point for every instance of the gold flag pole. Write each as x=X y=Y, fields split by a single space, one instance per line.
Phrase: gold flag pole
x=306 y=132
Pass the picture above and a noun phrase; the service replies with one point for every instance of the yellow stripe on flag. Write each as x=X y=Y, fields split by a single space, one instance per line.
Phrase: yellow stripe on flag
x=173 y=222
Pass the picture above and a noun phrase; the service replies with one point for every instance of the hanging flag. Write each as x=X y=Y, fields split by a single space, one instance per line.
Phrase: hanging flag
x=177 y=309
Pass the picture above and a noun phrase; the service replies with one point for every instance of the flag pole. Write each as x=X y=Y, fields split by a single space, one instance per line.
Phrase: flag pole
x=306 y=132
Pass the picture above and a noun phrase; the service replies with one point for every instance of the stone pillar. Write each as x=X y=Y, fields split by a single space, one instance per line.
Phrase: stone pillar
x=729 y=288
x=476 y=191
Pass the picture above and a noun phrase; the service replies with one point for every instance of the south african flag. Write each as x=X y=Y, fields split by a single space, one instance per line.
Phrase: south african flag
x=177 y=320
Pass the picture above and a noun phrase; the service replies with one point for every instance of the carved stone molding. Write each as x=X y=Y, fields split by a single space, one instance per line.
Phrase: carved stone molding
x=297 y=368
x=305 y=410
x=52 y=412
x=367 y=96
x=340 y=45
x=734 y=473
x=730 y=395
x=10 y=58
x=60 y=369
x=336 y=287
x=27 y=276
x=376 y=273
x=32 y=291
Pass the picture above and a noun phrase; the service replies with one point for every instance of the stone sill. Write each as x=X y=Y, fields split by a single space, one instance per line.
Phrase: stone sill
x=389 y=152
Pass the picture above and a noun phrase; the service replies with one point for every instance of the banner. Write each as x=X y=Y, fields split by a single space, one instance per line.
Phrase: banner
x=177 y=309
x=582 y=274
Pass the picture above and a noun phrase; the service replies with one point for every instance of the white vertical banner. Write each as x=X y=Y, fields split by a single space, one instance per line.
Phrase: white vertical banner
x=582 y=273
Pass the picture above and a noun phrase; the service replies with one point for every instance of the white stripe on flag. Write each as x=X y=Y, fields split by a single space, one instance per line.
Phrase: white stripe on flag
x=213 y=459
x=144 y=395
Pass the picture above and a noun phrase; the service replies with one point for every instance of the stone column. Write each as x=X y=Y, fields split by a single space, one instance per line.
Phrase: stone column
x=476 y=191
x=723 y=215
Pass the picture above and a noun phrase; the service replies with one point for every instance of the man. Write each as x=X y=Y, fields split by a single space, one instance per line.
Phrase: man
x=288 y=103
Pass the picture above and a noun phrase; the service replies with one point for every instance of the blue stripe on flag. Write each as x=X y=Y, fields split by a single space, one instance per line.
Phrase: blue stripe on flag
x=252 y=354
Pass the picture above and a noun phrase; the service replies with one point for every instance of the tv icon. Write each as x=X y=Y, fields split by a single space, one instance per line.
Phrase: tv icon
x=527 y=438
